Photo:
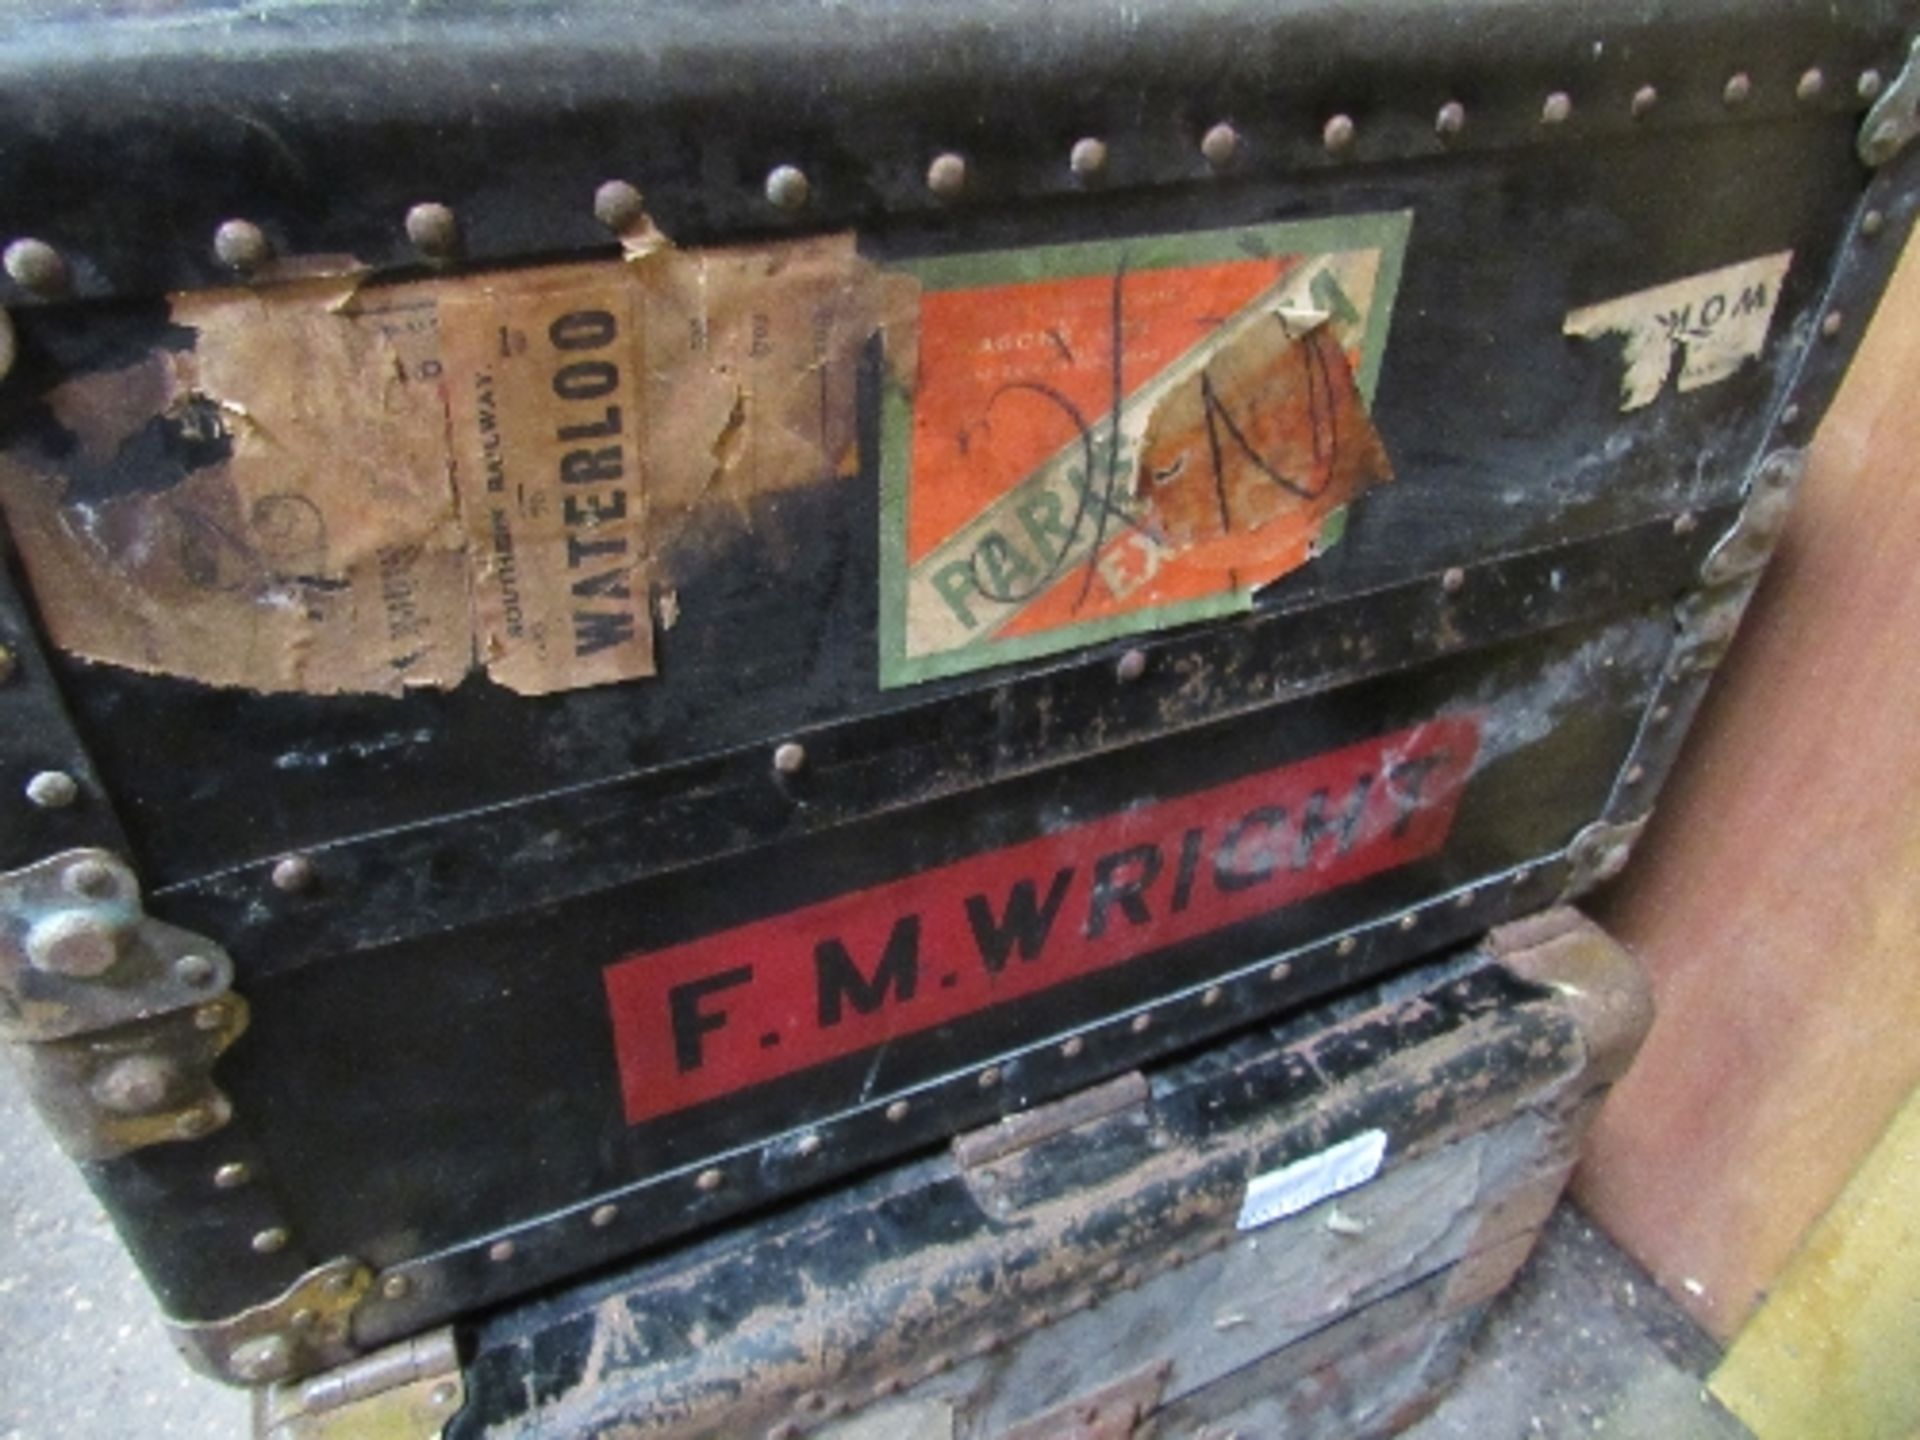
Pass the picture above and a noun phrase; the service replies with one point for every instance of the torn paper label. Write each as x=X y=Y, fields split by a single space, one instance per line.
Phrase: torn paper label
x=1712 y=323
x=1305 y=1183
x=325 y=488
x=547 y=429
x=1121 y=436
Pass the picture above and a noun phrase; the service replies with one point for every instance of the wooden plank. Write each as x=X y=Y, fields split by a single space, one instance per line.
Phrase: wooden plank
x=1773 y=899
x=1831 y=1352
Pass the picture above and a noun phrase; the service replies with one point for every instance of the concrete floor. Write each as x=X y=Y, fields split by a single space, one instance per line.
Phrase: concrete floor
x=1583 y=1346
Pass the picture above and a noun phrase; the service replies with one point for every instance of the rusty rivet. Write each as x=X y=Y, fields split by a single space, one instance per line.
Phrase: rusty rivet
x=1634 y=774
x=785 y=1430
x=1219 y=144
x=1790 y=415
x=292 y=873
x=1088 y=157
x=1464 y=900
x=1522 y=875
x=1661 y=714
x=1408 y=921
x=136 y=1085
x=1644 y=99
x=305 y=1318
x=990 y=1077
x=1141 y=1024
x=1451 y=120
x=1347 y=945
x=338 y=1283
x=195 y=970
x=1558 y=106
x=1871 y=222
x=80 y=944
x=53 y=790
x=809 y=1145
x=1280 y=971
x=9 y=662
x=603 y=1216
x=1212 y=995
x=433 y=230
x=501 y=1251
x=787 y=187
x=1738 y=89
x=618 y=205
x=267 y=1242
x=210 y=1017
x=709 y=1180
x=897 y=1111
x=36 y=266
x=1830 y=324
x=257 y=1361
x=790 y=758
x=1812 y=83
x=1132 y=665
x=1685 y=523
x=1337 y=134
x=396 y=1287
x=1073 y=1046
x=241 y=245
x=93 y=879
x=1454 y=580
x=811 y=1400
x=947 y=175
x=232 y=1175
x=1868 y=85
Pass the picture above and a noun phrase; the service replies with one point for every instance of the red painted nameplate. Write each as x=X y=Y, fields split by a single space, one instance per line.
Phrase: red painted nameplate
x=745 y=1006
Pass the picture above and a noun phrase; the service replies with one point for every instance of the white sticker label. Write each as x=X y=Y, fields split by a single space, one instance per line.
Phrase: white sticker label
x=1293 y=1188
x=1716 y=322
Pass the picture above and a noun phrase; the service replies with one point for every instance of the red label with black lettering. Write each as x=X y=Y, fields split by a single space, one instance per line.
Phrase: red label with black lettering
x=697 y=1021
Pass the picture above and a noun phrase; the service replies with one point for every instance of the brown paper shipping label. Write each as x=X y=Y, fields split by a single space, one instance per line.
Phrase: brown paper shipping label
x=336 y=489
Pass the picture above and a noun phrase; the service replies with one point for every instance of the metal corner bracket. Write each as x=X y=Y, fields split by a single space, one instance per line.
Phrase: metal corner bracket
x=1895 y=117
x=115 y=1018
x=405 y=1392
x=307 y=1327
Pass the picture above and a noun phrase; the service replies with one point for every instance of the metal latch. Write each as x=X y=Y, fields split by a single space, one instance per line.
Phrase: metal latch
x=405 y=1392
x=114 y=1017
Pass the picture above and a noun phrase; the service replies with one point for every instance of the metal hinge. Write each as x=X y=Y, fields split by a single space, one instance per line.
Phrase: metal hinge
x=1598 y=853
x=1895 y=116
x=114 y=1017
x=405 y=1392
x=1745 y=548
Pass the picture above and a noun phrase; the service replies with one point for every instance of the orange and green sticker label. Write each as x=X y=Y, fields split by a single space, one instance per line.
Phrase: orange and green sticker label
x=1126 y=435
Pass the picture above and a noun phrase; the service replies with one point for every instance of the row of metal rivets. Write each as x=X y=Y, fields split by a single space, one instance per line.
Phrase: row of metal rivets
x=295 y=874
x=434 y=231
x=710 y=1180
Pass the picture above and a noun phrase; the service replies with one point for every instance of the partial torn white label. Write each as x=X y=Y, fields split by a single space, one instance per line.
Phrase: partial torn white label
x=1714 y=322
x=1305 y=1183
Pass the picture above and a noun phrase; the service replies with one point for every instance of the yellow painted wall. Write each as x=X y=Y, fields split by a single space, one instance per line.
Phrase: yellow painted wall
x=1834 y=1351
